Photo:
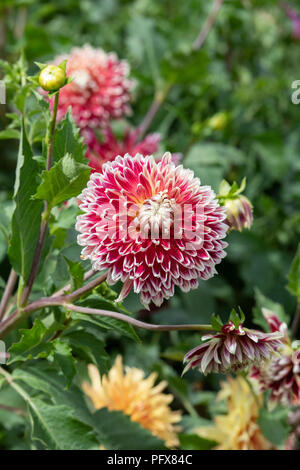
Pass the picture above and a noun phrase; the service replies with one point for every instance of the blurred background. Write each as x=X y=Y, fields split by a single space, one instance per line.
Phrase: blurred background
x=229 y=113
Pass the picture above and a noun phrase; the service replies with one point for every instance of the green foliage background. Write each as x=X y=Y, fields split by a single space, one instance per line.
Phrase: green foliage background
x=245 y=69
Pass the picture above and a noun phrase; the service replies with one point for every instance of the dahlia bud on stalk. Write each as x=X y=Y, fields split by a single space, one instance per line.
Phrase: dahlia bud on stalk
x=238 y=207
x=234 y=347
x=53 y=77
x=218 y=121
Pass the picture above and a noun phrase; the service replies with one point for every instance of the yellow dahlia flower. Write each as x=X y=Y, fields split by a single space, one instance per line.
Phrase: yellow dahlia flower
x=238 y=429
x=137 y=397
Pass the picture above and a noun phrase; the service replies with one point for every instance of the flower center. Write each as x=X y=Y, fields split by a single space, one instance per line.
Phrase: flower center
x=156 y=216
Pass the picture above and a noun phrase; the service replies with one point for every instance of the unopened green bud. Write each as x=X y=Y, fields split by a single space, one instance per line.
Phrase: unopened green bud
x=218 y=121
x=52 y=78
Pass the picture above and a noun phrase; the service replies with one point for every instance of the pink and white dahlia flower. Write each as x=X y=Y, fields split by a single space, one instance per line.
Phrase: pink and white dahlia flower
x=100 y=87
x=232 y=349
x=152 y=225
x=281 y=374
x=99 y=153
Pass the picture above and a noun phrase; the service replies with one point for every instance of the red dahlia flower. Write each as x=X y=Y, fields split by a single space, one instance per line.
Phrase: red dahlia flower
x=106 y=151
x=152 y=225
x=232 y=349
x=100 y=88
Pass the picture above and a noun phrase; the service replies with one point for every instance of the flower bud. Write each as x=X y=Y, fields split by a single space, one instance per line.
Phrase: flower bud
x=218 y=121
x=232 y=348
x=52 y=77
x=238 y=207
x=239 y=213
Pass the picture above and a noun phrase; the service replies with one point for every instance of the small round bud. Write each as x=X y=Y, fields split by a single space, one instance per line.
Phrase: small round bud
x=239 y=213
x=218 y=122
x=52 y=78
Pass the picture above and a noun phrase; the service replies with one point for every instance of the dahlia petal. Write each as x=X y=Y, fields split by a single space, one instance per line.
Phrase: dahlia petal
x=230 y=344
x=127 y=286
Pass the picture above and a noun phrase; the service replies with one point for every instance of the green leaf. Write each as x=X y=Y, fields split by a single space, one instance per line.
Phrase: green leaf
x=46 y=379
x=118 y=432
x=88 y=347
x=235 y=318
x=96 y=301
x=216 y=322
x=68 y=140
x=274 y=424
x=55 y=427
x=32 y=344
x=76 y=271
x=294 y=275
x=114 y=429
x=9 y=134
x=194 y=64
x=64 y=180
x=27 y=214
x=194 y=442
x=189 y=423
x=212 y=161
x=6 y=211
x=65 y=360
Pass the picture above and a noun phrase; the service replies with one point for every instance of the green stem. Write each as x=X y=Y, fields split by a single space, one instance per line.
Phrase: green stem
x=9 y=379
x=46 y=214
x=210 y=21
x=135 y=322
x=56 y=299
x=50 y=136
x=16 y=317
x=158 y=100
x=12 y=279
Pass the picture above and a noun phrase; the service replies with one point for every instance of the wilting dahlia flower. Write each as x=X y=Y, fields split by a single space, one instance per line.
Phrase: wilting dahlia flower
x=232 y=349
x=152 y=225
x=107 y=150
x=281 y=374
x=238 y=428
x=100 y=87
x=137 y=397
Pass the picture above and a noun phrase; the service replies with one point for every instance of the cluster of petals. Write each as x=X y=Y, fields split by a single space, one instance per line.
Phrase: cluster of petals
x=232 y=349
x=137 y=396
x=152 y=225
x=106 y=150
x=238 y=428
x=100 y=89
x=281 y=374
